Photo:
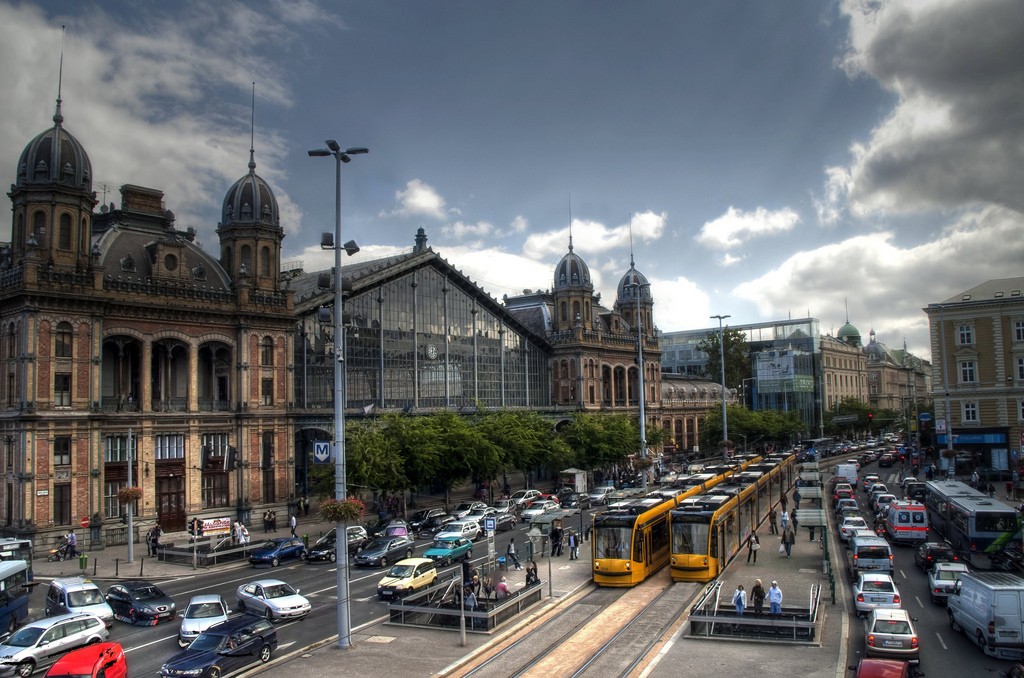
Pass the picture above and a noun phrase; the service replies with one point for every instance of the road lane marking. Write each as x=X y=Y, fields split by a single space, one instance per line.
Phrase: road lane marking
x=943 y=644
x=920 y=604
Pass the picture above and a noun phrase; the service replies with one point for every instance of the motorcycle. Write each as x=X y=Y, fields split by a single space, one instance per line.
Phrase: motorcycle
x=61 y=552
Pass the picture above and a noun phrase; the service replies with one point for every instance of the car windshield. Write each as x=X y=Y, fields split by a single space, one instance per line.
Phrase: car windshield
x=443 y=544
x=146 y=592
x=26 y=637
x=268 y=545
x=400 y=571
x=208 y=642
x=204 y=611
x=377 y=544
x=84 y=597
x=278 y=590
x=878 y=586
x=948 y=575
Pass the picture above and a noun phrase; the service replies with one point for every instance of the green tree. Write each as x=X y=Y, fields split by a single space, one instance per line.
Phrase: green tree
x=524 y=440
x=737 y=357
x=601 y=441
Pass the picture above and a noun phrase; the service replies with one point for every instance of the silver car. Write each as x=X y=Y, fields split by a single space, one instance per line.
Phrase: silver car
x=273 y=599
x=42 y=642
x=202 y=613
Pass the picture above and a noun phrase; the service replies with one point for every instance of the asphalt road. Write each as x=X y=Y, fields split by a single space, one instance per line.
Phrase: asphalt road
x=148 y=647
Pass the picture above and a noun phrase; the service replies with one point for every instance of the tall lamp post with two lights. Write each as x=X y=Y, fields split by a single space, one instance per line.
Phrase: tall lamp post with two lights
x=721 y=359
x=340 y=491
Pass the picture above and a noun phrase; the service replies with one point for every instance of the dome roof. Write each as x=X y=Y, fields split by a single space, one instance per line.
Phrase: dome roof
x=55 y=157
x=848 y=331
x=250 y=201
x=572 y=271
x=634 y=285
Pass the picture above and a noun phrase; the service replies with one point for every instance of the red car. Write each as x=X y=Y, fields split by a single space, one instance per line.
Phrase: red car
x=99 y=659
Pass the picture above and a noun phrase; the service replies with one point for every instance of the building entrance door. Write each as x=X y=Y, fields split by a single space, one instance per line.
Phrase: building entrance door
x=170 y=503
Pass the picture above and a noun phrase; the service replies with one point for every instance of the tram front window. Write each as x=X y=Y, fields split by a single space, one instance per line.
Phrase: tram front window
x=612 y=542
x=690 y=537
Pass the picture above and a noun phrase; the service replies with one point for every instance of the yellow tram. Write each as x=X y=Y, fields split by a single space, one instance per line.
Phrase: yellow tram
x=709 y=528
x=631 y=538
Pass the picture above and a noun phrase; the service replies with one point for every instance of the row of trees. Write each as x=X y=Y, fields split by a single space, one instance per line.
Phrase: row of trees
x=398 y=453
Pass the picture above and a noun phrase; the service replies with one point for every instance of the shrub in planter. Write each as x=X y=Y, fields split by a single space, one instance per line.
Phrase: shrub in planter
x=344 y=511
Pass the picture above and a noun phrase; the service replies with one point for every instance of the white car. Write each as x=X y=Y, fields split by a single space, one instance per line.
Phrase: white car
x=470 y=529
x=479 y=514
x=873 y=591
x=202 y=612
x=273 y=599
x=538 y=508
x=881 y=501
x=524 y=497
x=942 y=579
x=849 y=525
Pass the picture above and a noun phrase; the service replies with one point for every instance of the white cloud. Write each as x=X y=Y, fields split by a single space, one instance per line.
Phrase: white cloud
x=735 y=227
x=419 y=199
x=729 y=260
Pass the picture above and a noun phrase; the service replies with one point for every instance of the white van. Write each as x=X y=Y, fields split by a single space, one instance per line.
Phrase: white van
x=989 y=608
x=845 y=473
x=77 y=594
x=907 y=522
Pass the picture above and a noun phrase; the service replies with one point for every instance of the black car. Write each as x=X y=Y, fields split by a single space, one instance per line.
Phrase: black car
x=931 y=552
x=505 y=521
x=225 y=648
x=432 y=526
x=326 y=547
x=575 y=500
x=420 y=517
x=384 y=550
x=140 y=602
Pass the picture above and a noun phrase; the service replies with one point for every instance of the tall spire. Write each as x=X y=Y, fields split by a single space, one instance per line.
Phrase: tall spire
x=632 y=265
x=58 y=116
x=570 y=222
x=252 y=133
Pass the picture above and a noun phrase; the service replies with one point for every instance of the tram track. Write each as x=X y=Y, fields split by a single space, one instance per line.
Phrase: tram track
x=604 y=632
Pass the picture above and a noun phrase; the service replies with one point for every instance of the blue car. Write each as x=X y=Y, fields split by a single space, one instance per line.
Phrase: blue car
x=225 y=648
x=273 y=551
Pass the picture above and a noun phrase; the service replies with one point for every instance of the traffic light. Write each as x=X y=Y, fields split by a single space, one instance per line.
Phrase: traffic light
x=871 y=417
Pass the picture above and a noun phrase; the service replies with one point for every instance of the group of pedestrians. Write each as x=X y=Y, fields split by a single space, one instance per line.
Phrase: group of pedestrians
x=758 y=595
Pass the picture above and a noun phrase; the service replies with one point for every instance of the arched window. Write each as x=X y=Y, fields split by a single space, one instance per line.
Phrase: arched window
x=267 y=352
x=575 y=310
x=226 y=256
x=564 y=311
x=64 y=232
x=39 y=228
x=62 y=346
x=246 y=259
x=19 y=231
x=265 y=262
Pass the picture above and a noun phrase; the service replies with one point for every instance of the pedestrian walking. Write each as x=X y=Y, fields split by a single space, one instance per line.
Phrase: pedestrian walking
x=796 y=499
x=153 y=539
x=788 y=539
x=72 y=544
x=739 y=599
x=273 y=521
x=773 y=521
x=266 y=522
x=510 y=554
x=811 y=530
x=556 y=541
x=784 y=519
x=775 y=600
x=757 y=596
x=784 y=501
x=574 y=545
x=305 y=506
x=293 y=523
x=243 y=534
x=753 y=546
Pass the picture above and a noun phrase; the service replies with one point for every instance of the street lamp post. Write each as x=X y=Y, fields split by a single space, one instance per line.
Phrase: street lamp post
x=640 y=382
x=340 y=492
x=721 y=358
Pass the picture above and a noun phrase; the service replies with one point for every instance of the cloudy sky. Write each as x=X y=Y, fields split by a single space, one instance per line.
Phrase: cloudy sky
x=838 y=158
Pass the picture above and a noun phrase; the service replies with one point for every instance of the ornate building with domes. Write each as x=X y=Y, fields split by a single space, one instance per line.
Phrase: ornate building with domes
x=132 y=357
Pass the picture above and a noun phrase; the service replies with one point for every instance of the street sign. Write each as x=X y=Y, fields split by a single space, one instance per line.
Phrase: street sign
x=490 y=524
x=844 y=419
x=925 y=416
x=321 y=451
x=84 y=522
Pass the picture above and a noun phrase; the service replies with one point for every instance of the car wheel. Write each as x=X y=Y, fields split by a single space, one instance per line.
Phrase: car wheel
x=408 y=553
x=982 y=643
x=133 y=617
x=214 y=672
x=383 y=562
x=275 y=562
x=266 y=653
x=268 y=615
x=241 y=606
x=26 y=668
x=333 y=557
x=303 y=556
x=12 y=623
x=469 y=554
x=952 y=623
